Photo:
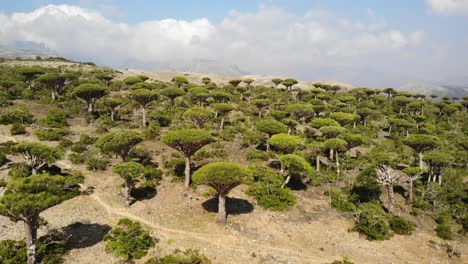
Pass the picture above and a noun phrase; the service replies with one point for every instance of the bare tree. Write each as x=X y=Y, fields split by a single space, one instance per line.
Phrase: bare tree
x=388 y=177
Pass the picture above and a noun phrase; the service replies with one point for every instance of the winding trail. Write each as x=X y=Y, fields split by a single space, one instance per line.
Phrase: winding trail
x=285 y=253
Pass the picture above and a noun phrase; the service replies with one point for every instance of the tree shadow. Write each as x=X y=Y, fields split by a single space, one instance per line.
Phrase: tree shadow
x=234 y=206
x=144 y=193
x=400 y=190
x=80 y=235
x=296 y=184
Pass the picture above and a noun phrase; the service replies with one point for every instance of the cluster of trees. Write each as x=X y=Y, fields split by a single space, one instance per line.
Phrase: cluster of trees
x=284 y=139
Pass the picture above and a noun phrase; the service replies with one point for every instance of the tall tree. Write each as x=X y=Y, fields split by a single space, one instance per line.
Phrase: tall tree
x=143 y=97
x=25 y=198
x=198 y=115
x=223 y=177
x=112 y=103
x=421 y=143
x=276 y=81
x=30 y=73
x=289 y=83
x=294 y=166
x=222 y=109
x=413 y=173
x=129 y=171
x=187 y=142
x=53 y=81
x=90 y=93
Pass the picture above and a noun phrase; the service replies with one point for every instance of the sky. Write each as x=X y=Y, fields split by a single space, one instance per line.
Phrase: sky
x=364 y=42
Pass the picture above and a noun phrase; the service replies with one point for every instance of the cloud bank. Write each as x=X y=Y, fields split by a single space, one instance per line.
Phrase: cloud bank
x=315 y=45
x=449 y=7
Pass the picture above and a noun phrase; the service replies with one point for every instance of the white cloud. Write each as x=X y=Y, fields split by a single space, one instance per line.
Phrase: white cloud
x=449 y=7
x=269 y=41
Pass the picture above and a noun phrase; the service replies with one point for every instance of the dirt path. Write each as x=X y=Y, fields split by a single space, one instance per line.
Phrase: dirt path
x=215 y=241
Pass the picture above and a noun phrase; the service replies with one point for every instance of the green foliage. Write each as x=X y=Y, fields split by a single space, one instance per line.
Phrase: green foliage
x=17 y=129
x=189 y=256
x=119 y=142
x=128 y=240
x=253 y=155
x=95 y=161
x=340 y=200
x=129 y=170
x=344 y=118
x=12 y=252
x=444 y=231
x=179 y=80
x=344 y=261
x=56 y=118
x=323 y=121
x=89 y=92
x=222 y=176
x=286 y=143
x=38 y=153
x=198 y=115
x=131 y=80
x=143 y=96
x=187 y=141
x=373 y=222
x=296 y=166
x=337 y=144
x=271 y=126
x=151 y=131
x=16 y=115
x=50 y=134
x=401 y=226
x=421 y=142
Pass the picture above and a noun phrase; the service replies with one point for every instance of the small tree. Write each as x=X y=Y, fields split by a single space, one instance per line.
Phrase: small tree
x=294 y=166
x=316 y=148
x=421 y=143
x=198 y=115
x=37 y=155
x=235 y=82
x=53 y=81
x=437 y=160
x=172 y=93
x=143 y=97
x=271 y=127
x=206 y=80
x=131 y=172
x=286 y=143
x=301 y=111
x=248 y=82
x=119 y=142
x=289 y=83
x=112 y=103
x=413 y=173
x=179 y=81
x=388 y=177
x=260 y=104
x=222 y=109
x=332 y=131
x=321 y=122
x=128 y=240
x=276 y=81
x=336 y=145
x=25 y=198
x=30 y=73
x=344 y=118
x=187 y=142
x=90 y=93
x=223 y=177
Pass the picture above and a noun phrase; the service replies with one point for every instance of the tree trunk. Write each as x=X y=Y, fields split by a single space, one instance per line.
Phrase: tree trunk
x=331 y=154
x=410 y=192
x=129 y=186
x=288 y=178
x=391 y=200
x=337 y=164
x=112 y=114
x=317 y=163
x=221 y=209
x=144 y=116
x=30 y=229
x=421 y=165
x=267 y=146
x=289 y=130
x=53 y=95
x=34 y=170
x=440 y=179
x=90 y=107
x=221 y=126
x=187 y=172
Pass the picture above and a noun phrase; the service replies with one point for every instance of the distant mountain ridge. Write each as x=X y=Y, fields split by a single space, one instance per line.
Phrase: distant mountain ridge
x=439 y=90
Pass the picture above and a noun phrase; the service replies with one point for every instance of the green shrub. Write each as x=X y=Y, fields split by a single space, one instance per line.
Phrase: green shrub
x=96 y=161
x=55 y=118
x=272 y=197
x=176 y=167
x=373 y=222
x=401 y=226
x=344 y=261
x=3 y=158
x=50 y=250
x=128 y=240
x=444 y=231
x=16 y=115
x=140 y=155
x=340 y=201
x=151 y=132
x=189 y=256
x=79 y=147
x=87 y=140
x=12 y=252
x=257 y=155
x=17 y=129
x=76 y=158
x=65 y=143
x=19 y=170
x=50 y=134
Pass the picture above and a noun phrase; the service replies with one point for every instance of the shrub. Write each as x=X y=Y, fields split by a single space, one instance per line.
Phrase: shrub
x=65 y=143
x=15 y=115
x=444 y=231
x=272 y=197
x=12 y=252
x=17 y=129
x=87 y=140
x=96 y=161
x=257 y=155
x=373 y=222
x=79 y=147
x=176 y=167
x=189 y=256
x=50 y=134
x=340 y=201
x=50 y=250
x=3 y=158
x=151 y=132
x=344 y=261
x=76 y=158
x=19 y=170
x=56 y=118
x=128 y=240
x=401 y=226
